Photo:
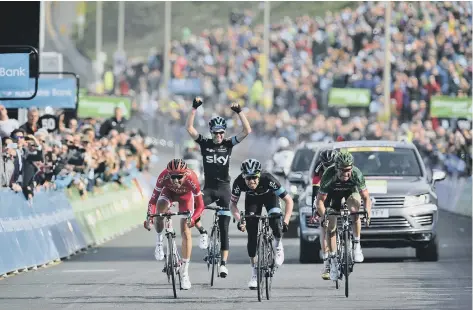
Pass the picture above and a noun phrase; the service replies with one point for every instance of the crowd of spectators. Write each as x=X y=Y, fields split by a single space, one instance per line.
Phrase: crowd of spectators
x=82 y=154
x=431 y=54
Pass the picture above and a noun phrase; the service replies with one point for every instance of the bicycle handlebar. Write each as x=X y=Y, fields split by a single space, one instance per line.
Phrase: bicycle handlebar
x=214 y=208
x=169 y=214
x=273 y=215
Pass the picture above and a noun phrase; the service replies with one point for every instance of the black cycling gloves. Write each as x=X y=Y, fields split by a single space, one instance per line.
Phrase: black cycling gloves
x=197 y=102
x=236 y=107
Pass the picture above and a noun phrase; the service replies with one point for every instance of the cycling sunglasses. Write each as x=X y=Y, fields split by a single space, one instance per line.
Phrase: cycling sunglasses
x=218 y=132
x=177 y=176
x=251 y=177
x=346 y=169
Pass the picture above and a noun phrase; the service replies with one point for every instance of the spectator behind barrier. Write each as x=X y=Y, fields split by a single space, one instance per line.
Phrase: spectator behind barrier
x=72 y=157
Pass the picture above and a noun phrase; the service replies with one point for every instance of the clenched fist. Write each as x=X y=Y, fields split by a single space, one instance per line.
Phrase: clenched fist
x=236 y=107
x=197 y=102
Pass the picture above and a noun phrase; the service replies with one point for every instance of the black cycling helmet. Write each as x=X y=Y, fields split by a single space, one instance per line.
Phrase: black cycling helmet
x=251 y=167
x=327 y=157
x=217 y=123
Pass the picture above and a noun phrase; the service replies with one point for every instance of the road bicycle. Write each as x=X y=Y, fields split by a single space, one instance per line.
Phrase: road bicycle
x=172 y=259
x=345 y=261
x=213 y=257
x=265 y=266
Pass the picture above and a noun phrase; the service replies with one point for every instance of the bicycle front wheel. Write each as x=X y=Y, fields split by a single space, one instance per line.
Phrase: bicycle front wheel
x=213 y=254
x=260 y=269
x=270 y=269
x=171 y=265
x=346 y=239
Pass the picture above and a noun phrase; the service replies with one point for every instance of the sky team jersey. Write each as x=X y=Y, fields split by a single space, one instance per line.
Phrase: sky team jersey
x=267 y=184
x=216 y=158
x=191 y=184
x=332 y=186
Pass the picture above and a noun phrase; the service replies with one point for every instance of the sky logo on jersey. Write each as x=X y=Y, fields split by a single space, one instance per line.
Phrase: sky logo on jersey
x=223 y=160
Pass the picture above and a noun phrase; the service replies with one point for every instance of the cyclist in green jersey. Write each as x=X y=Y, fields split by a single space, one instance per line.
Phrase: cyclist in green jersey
x=343 y=180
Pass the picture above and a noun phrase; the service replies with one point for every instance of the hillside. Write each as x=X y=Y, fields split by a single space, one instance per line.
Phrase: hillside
x=145 y=20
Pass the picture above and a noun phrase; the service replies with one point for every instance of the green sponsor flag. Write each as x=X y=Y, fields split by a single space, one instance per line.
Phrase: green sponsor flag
x=450 y=107
x=103 y=106
x=349 y=97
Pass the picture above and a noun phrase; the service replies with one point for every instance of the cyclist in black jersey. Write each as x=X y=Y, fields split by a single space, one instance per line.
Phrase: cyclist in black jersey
x=261 y=188
x=216 y=153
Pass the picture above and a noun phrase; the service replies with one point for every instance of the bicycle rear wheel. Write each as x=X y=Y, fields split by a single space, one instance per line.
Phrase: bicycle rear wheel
x=346 y=239
x=212 y=254
x=261 y=265
x=171 y=265
x=270 y=268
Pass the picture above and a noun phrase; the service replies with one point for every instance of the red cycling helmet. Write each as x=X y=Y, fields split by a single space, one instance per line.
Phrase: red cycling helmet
x=176 y=166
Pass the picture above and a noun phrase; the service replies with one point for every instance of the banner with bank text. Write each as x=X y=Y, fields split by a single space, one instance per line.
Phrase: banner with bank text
x=58 y=93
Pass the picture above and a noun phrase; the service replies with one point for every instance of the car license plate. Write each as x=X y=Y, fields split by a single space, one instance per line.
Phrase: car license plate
x=305 y=210
x=379 y=213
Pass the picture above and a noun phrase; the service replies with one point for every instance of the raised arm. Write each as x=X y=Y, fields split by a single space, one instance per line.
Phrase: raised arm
x=190 y=119
x=246 y=125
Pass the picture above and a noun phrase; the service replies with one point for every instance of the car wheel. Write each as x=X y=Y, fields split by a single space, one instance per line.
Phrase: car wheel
x=428 y=252
x=309 y=252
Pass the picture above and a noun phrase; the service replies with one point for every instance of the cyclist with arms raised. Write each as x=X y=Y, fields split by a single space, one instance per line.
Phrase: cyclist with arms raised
x=326 y=159
x=216 y=153
x=179 y=184
x=343 y=180
x=261 y=188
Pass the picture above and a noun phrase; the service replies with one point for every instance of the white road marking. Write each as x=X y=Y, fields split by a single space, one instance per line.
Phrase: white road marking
x=90 y=270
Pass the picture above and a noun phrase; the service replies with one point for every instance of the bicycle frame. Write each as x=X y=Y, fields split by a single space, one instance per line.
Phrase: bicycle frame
x=265 y=252
x=344 y=237
x=214 y=249
x=172 y=258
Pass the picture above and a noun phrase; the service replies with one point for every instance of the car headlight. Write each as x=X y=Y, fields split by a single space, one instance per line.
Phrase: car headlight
x=293 y=189
x=410 y=201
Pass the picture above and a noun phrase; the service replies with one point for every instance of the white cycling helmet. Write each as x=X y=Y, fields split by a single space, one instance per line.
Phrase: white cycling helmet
x=283 y=142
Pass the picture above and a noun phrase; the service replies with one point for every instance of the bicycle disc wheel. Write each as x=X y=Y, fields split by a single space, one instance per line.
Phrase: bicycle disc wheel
x=213 y=256
x=171 y=267
x=260 y=267
x=269 y=269
x=345 y=260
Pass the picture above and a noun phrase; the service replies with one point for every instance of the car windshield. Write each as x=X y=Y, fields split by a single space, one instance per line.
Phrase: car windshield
x=386 y=161
x=302 y=160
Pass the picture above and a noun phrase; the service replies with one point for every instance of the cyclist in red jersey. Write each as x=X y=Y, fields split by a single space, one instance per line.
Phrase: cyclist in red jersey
x=326 y=159
x=177 y=183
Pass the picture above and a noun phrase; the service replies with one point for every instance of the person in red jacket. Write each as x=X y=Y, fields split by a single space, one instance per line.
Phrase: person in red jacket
x=177 y=183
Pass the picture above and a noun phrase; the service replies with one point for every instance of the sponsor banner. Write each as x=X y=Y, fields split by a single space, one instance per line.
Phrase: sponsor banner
x=349 y=97
x=103 y=106
x=53 y=92
x=14 y=72
x=450 y=107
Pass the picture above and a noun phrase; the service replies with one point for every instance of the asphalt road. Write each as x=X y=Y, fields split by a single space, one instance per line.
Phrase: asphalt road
x=123 y=274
